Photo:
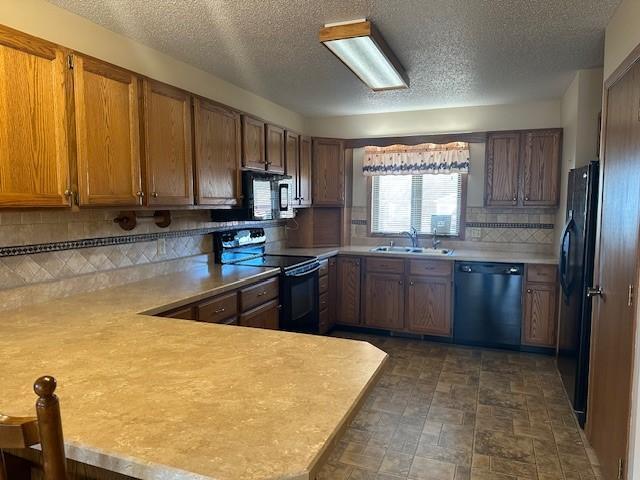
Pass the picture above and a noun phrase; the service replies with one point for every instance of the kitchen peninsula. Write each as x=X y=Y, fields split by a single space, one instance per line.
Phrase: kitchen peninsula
x=153 y=397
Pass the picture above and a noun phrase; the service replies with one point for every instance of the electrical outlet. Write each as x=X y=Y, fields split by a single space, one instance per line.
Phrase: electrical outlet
x=476 y=233
x=162 y=247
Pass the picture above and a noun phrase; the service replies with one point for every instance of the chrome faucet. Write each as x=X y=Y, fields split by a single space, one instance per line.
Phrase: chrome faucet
x=434 y=239
x=413 y=235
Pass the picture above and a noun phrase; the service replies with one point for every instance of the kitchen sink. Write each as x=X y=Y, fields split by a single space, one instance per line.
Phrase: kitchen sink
x=413 y=250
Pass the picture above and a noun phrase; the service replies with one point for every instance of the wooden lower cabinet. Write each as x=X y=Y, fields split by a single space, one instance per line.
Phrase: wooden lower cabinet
x=539 y=321
x=264 y=316
x=183 y=313
x=429 y=305
x=348 y=290
x=384 y=301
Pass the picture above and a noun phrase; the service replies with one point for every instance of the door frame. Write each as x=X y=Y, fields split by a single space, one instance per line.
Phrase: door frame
x=627 y=64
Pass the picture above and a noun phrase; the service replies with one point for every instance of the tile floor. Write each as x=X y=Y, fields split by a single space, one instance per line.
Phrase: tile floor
x=445 y=412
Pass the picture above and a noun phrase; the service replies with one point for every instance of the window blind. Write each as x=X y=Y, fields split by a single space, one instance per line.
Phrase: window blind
x=426 y=202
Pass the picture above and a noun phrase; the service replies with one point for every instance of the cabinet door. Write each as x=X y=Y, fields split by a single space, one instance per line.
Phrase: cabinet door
x=541 y=164
x=429 y=305
x=34 y=152
x=107 y=134
x=275 y=142
x=218 y=154
x=348 y=287
x=384 y=301
x=304 y=174
x=167 y=137
x=333 y=292
x=292 y=161
x=539 y=325
x=252 y=144
x=264 y=316
x=502 y=169
x=328 y=172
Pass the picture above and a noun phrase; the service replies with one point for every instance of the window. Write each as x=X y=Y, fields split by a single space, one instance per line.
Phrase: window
x=425 y=202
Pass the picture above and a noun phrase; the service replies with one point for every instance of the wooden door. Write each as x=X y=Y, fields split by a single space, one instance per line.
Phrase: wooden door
x=541 y=166
x=502 y=169
x=348 y=288
x=264 y=316
x=34 y=150
x=107 y=134
x=275 y=146
x=304 y=174
x=253 y=144
x=539 y=322
x=218 y=149
x=168 y=157
x=292 y=162
x=384 y=301
x=614 y=319
x=328 y=172
x=429 y=305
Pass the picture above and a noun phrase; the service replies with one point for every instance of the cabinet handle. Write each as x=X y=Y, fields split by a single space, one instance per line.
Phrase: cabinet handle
x=528 y=290
x=219 y=310
x=154 y=194
x=411 y=283
x=526 y=199
x=400 y=282
x=262 y=294
x=515 y=198
x=140 y=194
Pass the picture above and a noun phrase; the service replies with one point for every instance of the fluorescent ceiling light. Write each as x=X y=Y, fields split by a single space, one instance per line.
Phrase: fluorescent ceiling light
x=363 y=50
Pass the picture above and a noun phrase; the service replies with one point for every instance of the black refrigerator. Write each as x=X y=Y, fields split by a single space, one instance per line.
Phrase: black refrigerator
x=577 y=251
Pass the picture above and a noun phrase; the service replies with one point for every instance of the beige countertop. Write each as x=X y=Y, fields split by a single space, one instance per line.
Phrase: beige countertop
x=462 y=254
x=159 y=398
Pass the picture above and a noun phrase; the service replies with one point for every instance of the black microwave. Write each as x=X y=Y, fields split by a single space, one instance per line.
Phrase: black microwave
x=266 y=197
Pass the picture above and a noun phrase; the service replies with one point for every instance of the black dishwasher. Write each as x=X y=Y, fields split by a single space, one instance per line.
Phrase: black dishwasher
x=488 y=304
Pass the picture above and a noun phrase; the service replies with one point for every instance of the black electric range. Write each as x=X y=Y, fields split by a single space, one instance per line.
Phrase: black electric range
x=298 y=275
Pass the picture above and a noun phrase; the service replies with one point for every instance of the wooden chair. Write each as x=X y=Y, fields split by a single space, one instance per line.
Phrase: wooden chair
x=45 y=429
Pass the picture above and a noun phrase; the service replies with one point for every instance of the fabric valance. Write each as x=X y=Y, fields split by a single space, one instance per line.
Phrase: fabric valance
x=416 y=159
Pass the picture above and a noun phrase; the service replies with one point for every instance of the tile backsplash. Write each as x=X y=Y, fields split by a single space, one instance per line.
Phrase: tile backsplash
x=44 y=246
x=530 y=230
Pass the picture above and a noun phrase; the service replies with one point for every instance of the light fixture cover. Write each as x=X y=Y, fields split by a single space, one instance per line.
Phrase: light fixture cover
x=363 y=50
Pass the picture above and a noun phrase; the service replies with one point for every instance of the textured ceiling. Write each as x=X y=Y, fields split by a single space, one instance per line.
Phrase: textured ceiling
x=456 y=52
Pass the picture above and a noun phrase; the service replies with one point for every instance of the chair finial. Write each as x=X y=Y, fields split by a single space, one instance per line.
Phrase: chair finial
x=45 y=386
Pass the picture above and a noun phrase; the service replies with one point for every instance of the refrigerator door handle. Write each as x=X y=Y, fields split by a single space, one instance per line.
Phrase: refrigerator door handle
x=565 y=246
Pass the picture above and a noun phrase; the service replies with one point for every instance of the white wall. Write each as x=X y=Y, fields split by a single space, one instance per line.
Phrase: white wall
x=621 y=37
x=543 y=114
x=44 y=20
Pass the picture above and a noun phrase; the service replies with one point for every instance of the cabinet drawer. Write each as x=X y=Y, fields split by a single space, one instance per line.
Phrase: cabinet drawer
x=183 y=313
x=323 y=303
x=385 y=265
x=541 y=273
x=218 y=309
x=430 y=267
x=323 y=284
x=324 y=267
x=264 y=316
x=258 y=294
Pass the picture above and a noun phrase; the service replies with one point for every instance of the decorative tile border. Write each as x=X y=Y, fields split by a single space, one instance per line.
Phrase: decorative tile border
x=14 y=251
x=537 y=226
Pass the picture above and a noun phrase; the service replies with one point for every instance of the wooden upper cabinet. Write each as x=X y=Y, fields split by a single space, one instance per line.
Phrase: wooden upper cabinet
x=429 y=305
x=107 y=134
x=348 y=290
x=539 y=323
x=384 y=301
x=304 y=172
x=218 y=150
x=34 y=151
x=253 y=143
x=167 y=140
x=328 y=172
x=275 y=147
x=502 y=169
x=292 y=160
x=541 y=165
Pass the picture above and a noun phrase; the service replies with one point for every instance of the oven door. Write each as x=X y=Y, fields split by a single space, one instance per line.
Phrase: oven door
x=300 y=302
